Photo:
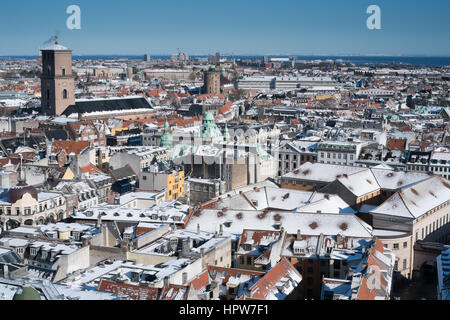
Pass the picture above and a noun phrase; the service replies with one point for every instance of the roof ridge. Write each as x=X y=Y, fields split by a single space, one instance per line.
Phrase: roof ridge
x=400 y=192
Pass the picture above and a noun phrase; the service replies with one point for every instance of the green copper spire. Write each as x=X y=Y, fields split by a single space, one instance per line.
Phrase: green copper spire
x=226 y=134
x=166 y=138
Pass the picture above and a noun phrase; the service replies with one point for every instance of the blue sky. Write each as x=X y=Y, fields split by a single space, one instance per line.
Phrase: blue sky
x=329 y=27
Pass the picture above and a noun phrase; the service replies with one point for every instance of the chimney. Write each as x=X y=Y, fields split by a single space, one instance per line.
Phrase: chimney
x=339 y=239
x=220 y=229
x=299 y=234
x=166 y=281
x=99 y=220
x=202 y=251
x=186 y=246
x=5 y=271
x=198 y=228
x=85 y=241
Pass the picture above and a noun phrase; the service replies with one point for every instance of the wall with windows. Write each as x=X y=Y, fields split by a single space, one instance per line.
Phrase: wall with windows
x=403 y=248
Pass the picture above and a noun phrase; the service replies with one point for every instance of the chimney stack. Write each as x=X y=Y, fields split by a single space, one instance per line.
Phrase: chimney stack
x=198 y=228
x=299 y=234
x=5 y=271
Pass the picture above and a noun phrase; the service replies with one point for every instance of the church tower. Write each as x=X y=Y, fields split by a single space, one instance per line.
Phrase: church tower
x=57 y=81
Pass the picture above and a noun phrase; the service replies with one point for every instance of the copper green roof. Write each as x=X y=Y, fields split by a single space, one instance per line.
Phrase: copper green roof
x=166 y=138
x=209 y=128
x=28 y=293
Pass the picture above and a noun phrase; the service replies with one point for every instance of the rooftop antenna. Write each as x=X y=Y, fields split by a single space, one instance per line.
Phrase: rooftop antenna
x=56 y=36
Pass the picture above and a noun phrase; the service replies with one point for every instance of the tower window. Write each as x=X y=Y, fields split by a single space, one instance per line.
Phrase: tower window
x=64 y=94
x=63 y=71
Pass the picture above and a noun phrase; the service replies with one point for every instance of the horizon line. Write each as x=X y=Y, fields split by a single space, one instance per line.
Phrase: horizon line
x=246 y=55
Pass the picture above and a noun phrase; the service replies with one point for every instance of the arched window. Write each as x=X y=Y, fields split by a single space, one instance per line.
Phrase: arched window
x=64 y=94
x=63 y=71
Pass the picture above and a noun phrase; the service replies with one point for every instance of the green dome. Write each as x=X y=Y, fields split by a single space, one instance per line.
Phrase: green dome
x=211 y=68
x=28 y=293
x=222 y=71
x=209 y=128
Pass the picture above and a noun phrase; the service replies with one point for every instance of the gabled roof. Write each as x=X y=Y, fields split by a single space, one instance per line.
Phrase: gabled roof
x=394 y=180
x=123 y=173
x=360 y=183
x=69 y=146
x=91 y=169
x=321 y=172
x=417 y=199
x=276 y=284
x=200 y=282
x=225 y=273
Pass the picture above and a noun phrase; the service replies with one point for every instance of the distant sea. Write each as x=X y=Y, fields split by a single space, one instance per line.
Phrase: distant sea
x=357 y=60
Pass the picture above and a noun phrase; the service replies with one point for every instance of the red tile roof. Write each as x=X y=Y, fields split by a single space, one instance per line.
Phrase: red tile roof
x=396 y=144
x=231 y=272
x=135 y=292
x=268 y=284
x=200 y=281
x=257 y=235
x=174 y=292
x=91 y=169
x=70 y=146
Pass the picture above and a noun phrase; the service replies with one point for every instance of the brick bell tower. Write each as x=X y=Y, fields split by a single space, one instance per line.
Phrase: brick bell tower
x=57 y=81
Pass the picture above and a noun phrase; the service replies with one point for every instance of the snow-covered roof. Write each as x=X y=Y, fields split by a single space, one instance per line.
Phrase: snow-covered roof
x=416 y=200
x=321 y=172
x=234 y=221
x=360 y=183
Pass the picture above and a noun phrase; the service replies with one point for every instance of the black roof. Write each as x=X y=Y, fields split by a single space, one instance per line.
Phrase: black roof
x=108 y=105
x=122 y=173
x=57 y=134
x=14 y=143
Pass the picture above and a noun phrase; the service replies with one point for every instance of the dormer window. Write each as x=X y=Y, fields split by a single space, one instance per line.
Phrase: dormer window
x=33 y=251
